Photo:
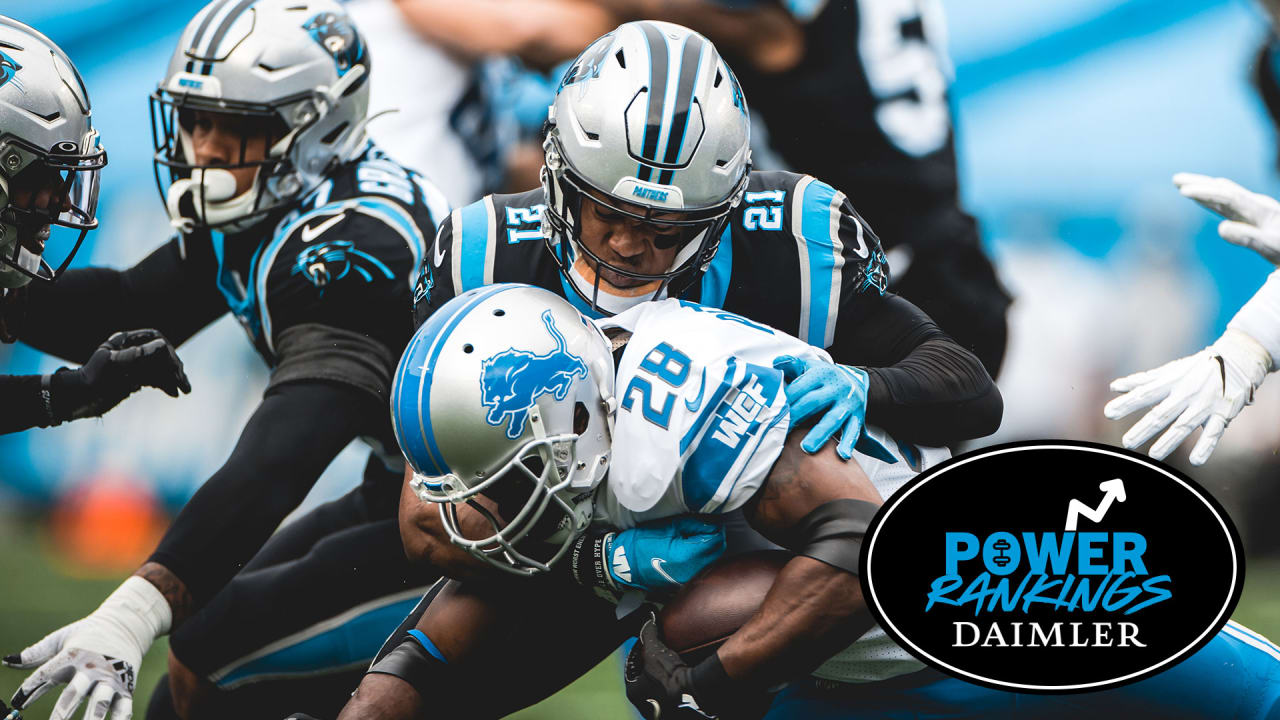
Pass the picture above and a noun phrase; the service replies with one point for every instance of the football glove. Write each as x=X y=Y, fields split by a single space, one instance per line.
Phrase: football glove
x=839 y=392
x=1206 y=389
x=1252 y=220
x=122 y=365
x=658 y=557
x=96 y=657
x=662 y=686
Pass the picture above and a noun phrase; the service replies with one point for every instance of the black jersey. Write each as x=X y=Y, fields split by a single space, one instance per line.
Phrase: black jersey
x=866 y=109
x=794 y=254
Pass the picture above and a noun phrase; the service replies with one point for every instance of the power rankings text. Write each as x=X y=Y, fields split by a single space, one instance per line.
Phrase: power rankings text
x=1006 y=578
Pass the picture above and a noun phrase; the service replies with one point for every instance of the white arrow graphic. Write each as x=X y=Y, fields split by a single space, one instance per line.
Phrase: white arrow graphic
x=1114 y=491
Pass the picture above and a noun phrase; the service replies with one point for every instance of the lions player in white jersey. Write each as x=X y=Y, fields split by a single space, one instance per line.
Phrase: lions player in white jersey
x=696 y=423
x=558 y=437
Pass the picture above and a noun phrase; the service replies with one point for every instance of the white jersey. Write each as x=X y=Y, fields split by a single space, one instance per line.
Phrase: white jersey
x=702 y=418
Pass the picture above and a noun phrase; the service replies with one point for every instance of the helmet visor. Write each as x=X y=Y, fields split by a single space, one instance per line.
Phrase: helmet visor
x=51 y=204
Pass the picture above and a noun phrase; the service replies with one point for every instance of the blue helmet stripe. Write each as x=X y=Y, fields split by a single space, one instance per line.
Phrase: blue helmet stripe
x=438 y=327
x=412 y=440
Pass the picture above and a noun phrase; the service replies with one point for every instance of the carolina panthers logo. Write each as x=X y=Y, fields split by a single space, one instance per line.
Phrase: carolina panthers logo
x=513 y=380
x=8 y=69
x=336 y=35
x=588 y=63
x=334 y=260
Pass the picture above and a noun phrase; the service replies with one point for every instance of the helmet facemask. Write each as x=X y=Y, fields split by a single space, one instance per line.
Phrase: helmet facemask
x=203 y=195
x=550 y=478
x=69 y=174
x=566 y=191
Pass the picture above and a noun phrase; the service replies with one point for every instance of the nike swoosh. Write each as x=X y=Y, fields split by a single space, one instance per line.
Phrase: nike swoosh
x=438 y=248
x=657 y=566
x=310 y=233
x=696 y=403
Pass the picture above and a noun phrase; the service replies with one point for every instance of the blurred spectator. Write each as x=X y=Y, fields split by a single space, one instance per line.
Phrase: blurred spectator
x=428 y=61
x=855 y=92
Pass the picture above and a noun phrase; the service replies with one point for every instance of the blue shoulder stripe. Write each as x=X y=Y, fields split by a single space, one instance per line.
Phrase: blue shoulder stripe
x=715 y=281
x=822 y=261
x=475 y=254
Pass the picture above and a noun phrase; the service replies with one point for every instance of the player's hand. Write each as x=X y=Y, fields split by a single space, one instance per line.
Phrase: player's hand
x=662 y=556
x=96 y=657
x=663 y=687
x=1252 y=219
x=839 y=392
x=658 y=557
x=1206 y=389
x=93 y=658
x=126 y=362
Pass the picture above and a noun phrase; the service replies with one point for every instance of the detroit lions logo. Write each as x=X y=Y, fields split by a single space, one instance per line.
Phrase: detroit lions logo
x=336 y=35
x=513 y=380
x=8 y=69
x=334 y=260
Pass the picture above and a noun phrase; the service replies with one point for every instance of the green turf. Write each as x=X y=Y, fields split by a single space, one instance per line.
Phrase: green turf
x=37 y=597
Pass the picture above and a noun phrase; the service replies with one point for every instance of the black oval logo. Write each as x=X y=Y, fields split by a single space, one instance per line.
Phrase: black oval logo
x=1052 y=567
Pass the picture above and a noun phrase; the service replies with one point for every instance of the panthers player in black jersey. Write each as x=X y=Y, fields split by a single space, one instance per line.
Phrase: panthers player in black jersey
x=855 y=93
x=310 y=236
x=48 y=204
x=647 y=192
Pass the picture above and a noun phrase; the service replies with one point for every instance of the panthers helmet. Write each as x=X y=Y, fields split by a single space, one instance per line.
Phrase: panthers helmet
x=299 y=67
x=652 y=120
x=47 y=143
x=507 y=390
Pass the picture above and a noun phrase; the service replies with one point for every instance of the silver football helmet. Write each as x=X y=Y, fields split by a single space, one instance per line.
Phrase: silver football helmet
x=298 y=68
x=653 y=121
x=507 y=391
x=49 y=149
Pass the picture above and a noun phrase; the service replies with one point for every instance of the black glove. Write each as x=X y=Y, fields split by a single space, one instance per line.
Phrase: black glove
x=663 y=687
x=7 y=714
x=120 y=366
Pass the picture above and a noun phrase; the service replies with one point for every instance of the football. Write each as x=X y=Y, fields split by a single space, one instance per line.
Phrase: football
x=716 y=602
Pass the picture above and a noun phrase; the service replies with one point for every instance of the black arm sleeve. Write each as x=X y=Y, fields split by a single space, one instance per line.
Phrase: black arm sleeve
x=925 y=388
x=23 y=402
x=164 y=291
x=293 y=435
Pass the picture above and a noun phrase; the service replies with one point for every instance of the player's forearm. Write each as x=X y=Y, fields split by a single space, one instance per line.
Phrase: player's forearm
x=539 y=32
x=70 y=318
x=764 y=34
x=938 y=394
x=24 y=403
x=293 y=435
x=1260 y=317
x=813 y=611
x=427 y=544
x=171 y=587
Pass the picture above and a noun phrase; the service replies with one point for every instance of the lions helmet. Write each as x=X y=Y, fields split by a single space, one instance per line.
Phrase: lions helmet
x=507 y=390
x=652 y=122
x=298 y=68
x=47 y=144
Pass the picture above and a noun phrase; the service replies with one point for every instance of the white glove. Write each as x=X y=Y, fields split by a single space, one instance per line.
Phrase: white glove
x=1208 y=388
x=98 y=656
x=1252 y=220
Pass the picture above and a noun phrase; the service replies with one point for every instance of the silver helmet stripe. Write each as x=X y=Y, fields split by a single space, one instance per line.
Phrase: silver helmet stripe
x=690 y=68
x=209 y=11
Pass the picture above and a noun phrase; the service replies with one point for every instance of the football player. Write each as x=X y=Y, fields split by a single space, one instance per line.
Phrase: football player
x=1208 y=389
x=647 y=192
x=528 y=425
x=309 y=235
x=873 y=76
x=49 y=179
